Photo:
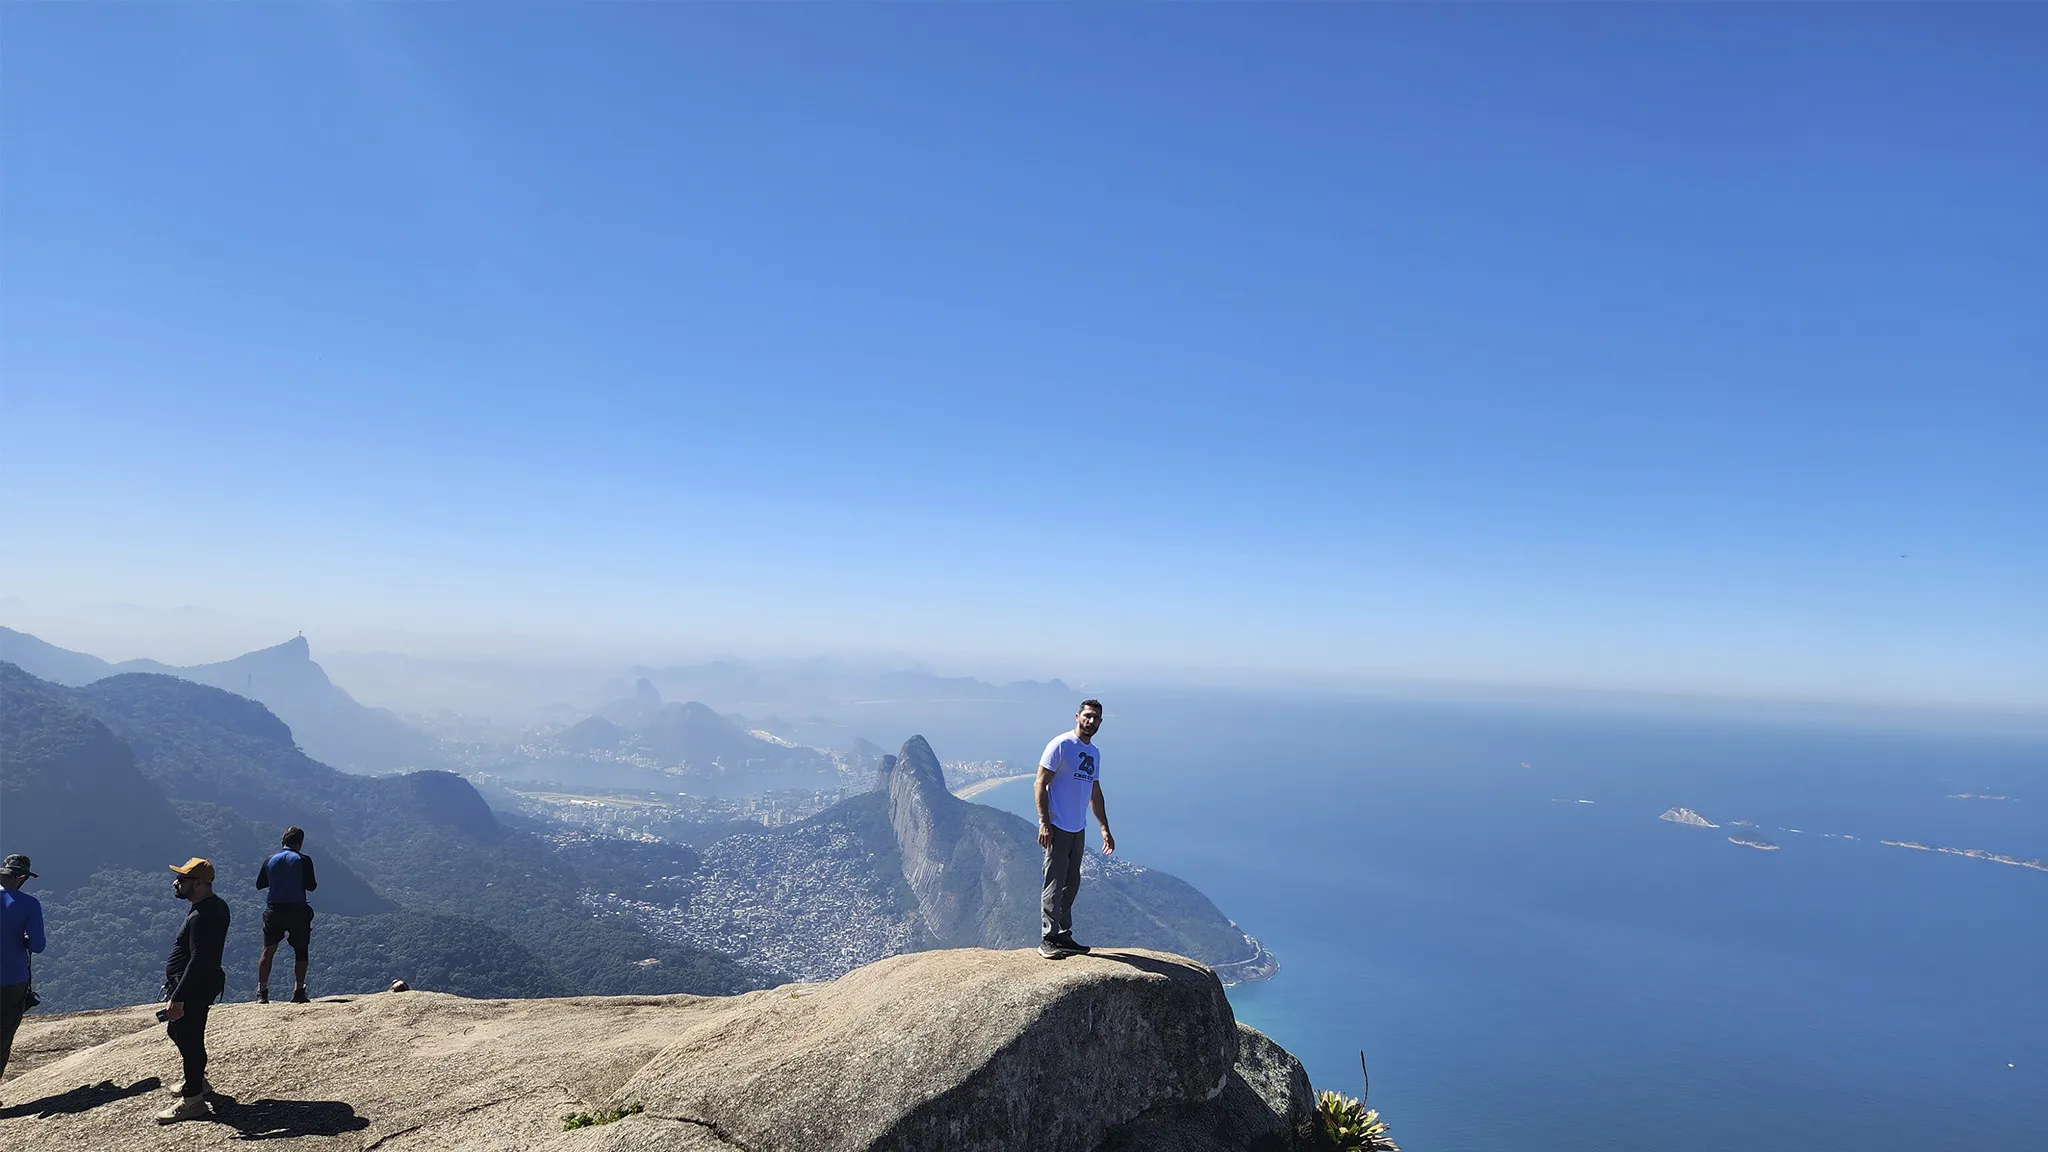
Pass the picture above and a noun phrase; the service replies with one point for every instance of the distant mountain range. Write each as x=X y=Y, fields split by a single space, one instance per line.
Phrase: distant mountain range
x=325 y=720
x=107 y=784
x=709 y=754
x=823 y=703
x=108 y=773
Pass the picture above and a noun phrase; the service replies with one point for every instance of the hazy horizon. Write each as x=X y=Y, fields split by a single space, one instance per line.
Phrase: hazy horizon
x=580 y=673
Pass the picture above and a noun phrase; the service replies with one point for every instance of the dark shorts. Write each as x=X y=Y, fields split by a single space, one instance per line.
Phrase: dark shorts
x=287 y=921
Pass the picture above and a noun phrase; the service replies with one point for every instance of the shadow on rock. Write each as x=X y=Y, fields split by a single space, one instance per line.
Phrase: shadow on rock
x=281 y=1119
x=81 y=1099
x=1140 y=961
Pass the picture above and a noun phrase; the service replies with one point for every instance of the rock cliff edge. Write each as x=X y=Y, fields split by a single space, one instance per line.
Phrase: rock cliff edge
x=968 y=1050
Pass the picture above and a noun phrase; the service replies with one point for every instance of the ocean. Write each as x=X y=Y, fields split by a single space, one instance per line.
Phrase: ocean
x=1525 y=972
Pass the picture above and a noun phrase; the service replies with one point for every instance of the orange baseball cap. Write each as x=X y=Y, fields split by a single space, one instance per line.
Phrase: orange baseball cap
x=197 y=868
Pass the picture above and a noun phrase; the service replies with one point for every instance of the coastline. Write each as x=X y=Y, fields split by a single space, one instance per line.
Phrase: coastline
x=1262 y=965
x=970 y=791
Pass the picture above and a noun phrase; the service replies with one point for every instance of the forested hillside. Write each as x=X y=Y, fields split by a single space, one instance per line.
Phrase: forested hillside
x=108 y=784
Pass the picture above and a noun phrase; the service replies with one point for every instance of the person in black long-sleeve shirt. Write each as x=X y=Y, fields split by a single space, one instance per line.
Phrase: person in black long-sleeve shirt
x=193 y=980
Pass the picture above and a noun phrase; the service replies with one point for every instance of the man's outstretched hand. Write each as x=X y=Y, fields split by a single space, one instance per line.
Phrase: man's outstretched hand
x=1108 y=843
x=1044 y=835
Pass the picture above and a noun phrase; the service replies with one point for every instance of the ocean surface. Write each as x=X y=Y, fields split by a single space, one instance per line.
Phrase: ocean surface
x=1526 y=973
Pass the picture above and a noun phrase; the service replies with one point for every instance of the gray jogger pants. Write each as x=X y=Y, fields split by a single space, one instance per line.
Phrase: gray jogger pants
x=1062 y=881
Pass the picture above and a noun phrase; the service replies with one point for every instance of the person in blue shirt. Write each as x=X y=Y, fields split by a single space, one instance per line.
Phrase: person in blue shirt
x=21 y=932
x=288 y=874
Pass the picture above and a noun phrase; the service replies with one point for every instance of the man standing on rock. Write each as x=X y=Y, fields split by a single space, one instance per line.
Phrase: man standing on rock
x=1069 y=783
x=288 y=874
x=193 y=980
x=21 y=932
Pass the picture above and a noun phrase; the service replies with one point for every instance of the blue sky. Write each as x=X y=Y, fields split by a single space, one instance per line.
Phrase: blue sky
x=1589 y=346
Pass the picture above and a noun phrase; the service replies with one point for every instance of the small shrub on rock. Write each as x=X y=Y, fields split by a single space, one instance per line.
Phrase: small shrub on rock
x=1351 y=1126
x=575 y=1120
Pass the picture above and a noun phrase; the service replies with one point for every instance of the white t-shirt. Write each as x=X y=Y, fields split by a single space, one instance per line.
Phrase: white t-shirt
x=1075 y=768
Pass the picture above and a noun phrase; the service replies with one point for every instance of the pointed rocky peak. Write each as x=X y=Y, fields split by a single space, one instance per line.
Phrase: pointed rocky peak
x=944 y=874
x=919 y=763
x=292 y=661
x=644 y=693
x=885 y=773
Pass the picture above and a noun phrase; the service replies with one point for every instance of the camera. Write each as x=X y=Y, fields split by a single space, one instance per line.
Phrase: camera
x=163 y=1014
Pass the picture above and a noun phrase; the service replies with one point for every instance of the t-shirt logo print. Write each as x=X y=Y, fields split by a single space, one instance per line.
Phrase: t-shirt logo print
x=1085 y=770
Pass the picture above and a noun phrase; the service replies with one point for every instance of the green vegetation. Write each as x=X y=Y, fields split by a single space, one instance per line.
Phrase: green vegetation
x=418 y=880
x=109 y=937
x=72 y=797
x=1350 y=1125
x=639 y=869
x=105 y=785
x=575 y=1120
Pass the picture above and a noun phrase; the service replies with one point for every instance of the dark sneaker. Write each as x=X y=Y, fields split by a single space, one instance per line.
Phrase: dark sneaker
x=263 y=995
x=1071 y=945
x=1051 y=951
x=299 y=996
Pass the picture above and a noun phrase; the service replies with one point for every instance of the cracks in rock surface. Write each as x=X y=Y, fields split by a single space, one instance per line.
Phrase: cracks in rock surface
x=718 y=1133
x=438 y=1119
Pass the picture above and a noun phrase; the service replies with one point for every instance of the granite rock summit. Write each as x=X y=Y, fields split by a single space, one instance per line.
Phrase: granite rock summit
x=970 y=1050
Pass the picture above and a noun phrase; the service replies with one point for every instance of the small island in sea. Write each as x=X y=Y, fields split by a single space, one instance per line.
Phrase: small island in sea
x=1972 y=853
x=1755 y=840
x=1687 y=816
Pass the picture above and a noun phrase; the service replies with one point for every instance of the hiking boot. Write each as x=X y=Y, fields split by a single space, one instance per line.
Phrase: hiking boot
x=263 y=995
x=1071 y=945
x=1052 y=951
x=189 y=1108
x=299 y=996
x=186 y=1088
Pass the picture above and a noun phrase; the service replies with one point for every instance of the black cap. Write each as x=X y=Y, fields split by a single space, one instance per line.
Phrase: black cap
x=16 y=865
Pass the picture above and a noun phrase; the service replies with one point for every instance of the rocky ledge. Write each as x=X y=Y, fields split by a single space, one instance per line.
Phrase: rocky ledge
x=968 y=1050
